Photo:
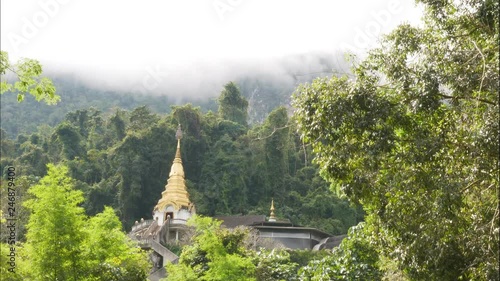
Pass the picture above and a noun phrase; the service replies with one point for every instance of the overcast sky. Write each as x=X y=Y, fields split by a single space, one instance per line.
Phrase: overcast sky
x=167 y=40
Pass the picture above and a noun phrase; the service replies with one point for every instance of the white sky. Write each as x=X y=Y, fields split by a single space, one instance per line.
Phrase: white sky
x=121 y=36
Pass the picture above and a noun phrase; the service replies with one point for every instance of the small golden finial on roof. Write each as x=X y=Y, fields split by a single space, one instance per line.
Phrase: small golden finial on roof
x=272 y=217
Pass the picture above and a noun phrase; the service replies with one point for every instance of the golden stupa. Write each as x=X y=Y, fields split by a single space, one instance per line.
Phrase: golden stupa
x=272 y=217
x=175 y=192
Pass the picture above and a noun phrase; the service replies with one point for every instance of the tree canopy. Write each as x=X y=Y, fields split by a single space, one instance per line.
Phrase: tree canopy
x=232 y=105
x=414 y=138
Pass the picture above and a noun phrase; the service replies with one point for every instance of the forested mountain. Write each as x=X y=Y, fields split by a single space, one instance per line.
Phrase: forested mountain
x=25 y=117
x=263 y=91
x=18 y=118
x=123 y=159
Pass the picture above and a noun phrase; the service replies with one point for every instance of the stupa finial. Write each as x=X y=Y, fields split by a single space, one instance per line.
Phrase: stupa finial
x=272 y=217
x=178 y=134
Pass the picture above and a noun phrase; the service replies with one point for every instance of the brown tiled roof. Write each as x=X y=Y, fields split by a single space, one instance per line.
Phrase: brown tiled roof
x=234 y=221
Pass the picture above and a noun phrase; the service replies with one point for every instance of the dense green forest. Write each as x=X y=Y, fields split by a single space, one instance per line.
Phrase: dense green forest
x=122 y=160
x=403 y=155
x=26 y=117
x=23 y=118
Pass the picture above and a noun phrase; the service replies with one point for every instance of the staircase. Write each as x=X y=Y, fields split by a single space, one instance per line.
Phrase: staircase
x=148 y=235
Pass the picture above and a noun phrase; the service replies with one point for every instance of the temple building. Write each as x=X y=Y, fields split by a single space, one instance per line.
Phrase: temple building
x=174 y=208
x=275 y=232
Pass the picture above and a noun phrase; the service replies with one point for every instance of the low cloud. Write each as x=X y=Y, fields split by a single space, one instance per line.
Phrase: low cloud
x=202 y=78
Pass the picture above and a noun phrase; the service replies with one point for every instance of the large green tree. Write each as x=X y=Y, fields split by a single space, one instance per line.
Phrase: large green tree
x=276 y=151
x=354 y=259
x=62 y=244
x=109 y=253
x=232 y=105
x=414 y=138
x=223 y=178
x=55 y=228
x=215 y=254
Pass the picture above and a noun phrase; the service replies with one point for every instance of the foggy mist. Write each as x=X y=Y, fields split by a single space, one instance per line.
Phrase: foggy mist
x=203 y=78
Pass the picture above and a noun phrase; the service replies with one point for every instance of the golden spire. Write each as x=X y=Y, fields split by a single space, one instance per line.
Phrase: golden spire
x=272 y=217
x=178 y=135
x=175 y=192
